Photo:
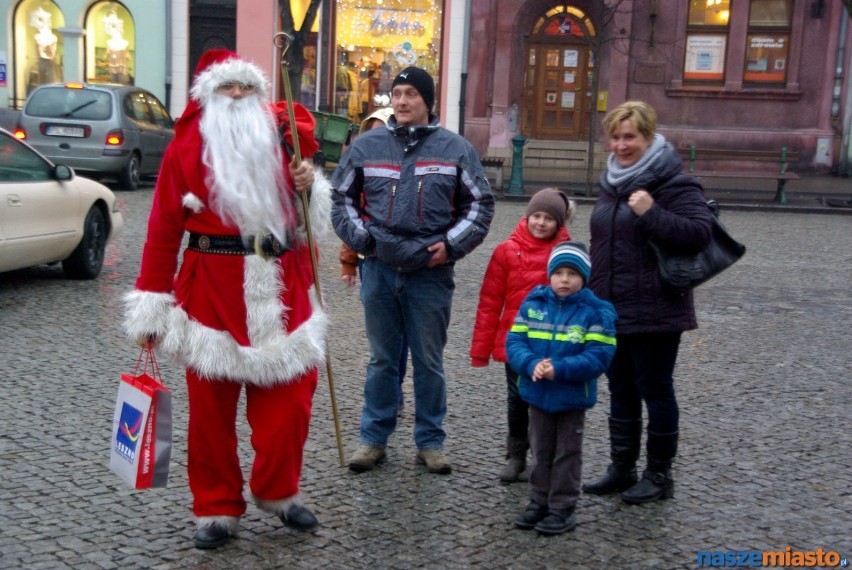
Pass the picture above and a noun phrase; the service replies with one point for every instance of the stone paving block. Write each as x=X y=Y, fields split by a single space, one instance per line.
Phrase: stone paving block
x=765 y=460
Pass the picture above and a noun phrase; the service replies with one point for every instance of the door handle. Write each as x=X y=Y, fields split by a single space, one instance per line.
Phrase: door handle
x=13 y=201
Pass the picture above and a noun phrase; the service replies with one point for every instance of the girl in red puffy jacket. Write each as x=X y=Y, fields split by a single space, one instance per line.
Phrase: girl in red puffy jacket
x=517 y=265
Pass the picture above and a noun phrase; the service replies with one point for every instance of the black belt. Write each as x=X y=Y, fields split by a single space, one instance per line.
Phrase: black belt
x=235 y=245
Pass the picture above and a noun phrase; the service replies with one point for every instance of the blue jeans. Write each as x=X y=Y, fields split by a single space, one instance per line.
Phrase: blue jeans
x=403 y=356
x=415 y=306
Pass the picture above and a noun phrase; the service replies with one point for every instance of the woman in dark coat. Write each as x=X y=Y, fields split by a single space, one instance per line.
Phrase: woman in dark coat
x=644 y=196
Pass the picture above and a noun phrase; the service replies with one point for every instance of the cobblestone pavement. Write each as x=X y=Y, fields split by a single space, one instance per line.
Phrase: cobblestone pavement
x=765 y=459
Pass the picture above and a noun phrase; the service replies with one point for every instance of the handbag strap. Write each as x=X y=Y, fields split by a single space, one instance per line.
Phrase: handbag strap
x=149 y=359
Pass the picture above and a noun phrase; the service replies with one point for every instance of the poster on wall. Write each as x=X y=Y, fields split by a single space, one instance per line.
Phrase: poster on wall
x=766 y=58
x=568 y=98
x=2 y=69
x=705 y=58
x=570 y=58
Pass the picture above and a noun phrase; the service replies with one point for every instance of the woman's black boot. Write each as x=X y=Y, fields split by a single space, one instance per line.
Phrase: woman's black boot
x=516 y=459
x=656 y=482
x=625 y=437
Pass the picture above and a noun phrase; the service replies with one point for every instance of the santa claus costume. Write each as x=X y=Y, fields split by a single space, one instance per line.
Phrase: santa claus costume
x=237 y=314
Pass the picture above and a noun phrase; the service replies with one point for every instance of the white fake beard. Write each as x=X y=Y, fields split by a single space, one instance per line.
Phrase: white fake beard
x=245 y=170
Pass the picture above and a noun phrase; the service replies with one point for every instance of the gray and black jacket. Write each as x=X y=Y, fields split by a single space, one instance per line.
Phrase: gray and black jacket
x=401 y=189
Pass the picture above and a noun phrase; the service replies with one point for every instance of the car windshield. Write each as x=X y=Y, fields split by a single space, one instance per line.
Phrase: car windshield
x=64 y=103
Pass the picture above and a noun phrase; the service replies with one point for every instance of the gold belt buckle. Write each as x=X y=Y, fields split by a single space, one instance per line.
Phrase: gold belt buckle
x=274 y=243
x=258 y=246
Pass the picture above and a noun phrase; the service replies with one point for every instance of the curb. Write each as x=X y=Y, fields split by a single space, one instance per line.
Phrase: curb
x=725 y=204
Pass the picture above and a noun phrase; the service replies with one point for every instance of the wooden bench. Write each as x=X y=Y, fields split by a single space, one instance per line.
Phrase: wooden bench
x=494 y=164
x=778 y=159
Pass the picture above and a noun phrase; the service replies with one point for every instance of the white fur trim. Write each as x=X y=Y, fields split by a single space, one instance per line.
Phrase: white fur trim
x=319 y=208
x=275 y=355
x=234 y=69
x=278 y=507
x=192 y=202
x=230 y=523
x=572 y=209
x=147 y=313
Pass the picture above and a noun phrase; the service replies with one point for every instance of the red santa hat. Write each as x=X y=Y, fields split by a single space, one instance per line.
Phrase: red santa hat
x=218 y=66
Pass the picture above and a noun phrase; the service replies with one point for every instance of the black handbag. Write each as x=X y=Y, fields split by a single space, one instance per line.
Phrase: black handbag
x=681 y=273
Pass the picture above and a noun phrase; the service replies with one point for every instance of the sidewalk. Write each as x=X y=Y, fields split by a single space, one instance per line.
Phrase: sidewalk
x=816 y=194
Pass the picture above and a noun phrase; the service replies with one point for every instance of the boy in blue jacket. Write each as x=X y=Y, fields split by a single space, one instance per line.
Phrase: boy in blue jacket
x=563 y=338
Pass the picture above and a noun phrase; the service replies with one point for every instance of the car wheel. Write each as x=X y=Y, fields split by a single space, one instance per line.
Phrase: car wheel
x=86 y=261
x=130 y=177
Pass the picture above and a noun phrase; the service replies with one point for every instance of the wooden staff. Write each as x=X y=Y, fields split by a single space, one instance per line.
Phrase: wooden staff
x=283 y=41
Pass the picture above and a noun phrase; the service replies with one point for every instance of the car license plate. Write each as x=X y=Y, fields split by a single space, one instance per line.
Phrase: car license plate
x=58 y=131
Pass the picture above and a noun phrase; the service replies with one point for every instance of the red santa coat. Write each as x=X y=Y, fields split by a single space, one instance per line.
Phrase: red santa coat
x=517 y=265
x=237 y=317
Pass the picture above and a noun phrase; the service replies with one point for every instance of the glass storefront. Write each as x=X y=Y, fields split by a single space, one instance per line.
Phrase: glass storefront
x=39 y=50
x=38 y=46
x=376 y=39
x=110 y=44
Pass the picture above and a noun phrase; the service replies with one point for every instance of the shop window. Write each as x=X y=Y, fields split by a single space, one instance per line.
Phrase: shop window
x=764 y=48
x=768 y=41
x=38 y=46
x=110 y=44
x=376 y=39
x=706 y=40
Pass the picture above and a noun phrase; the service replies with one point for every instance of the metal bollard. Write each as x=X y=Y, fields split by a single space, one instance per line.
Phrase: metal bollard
x=516 y=183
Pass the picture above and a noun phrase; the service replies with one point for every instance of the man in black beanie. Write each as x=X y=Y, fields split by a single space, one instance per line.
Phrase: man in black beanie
x=412 y=199
x=421 y=81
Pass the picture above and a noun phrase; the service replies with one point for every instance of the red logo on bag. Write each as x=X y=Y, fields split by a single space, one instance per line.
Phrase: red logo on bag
x=129 y=431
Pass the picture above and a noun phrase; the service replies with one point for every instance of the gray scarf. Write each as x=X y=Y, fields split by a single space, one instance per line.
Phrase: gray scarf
x=616 y=175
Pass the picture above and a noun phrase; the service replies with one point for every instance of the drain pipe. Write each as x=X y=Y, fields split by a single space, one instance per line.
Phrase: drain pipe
x=466 y=42
x=844 y=165
x=169 y=32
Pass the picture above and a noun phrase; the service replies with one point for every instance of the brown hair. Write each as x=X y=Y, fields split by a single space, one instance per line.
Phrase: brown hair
x=640 y=114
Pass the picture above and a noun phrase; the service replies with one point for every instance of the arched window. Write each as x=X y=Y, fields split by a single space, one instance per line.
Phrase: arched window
x=110 y=44
x=38 y=47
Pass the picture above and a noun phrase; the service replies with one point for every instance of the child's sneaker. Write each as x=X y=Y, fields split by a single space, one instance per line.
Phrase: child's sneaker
x=531 y=516
x=557 y=521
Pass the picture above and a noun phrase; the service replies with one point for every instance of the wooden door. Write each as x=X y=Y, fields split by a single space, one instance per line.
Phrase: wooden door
x=212 y=24
x=557 y=91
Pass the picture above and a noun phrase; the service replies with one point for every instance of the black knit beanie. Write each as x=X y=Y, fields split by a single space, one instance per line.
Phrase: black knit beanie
x=420 y=80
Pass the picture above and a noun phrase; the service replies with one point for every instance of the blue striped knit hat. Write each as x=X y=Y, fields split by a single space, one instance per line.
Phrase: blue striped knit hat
x=573 y=254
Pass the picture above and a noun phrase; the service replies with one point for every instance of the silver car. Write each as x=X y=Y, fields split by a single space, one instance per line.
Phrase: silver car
x=114 y=130
x=48 y=214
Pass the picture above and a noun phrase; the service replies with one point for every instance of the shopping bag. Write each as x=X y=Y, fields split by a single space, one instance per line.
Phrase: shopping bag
x=141 y=445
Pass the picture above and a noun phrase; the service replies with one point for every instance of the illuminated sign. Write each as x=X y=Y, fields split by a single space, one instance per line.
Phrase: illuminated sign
x=375 y=25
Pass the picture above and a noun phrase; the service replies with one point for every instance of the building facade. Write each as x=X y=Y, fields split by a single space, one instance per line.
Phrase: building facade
x=106 y=41
x=722 y=74
x=355 y=48
x=750 y=75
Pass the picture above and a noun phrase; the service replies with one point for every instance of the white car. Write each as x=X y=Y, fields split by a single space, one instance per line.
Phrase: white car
x=48 y=214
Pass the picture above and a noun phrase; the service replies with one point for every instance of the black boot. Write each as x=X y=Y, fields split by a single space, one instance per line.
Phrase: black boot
x=516 y=459
x=298 y=517
x=625 y=437
x=656 y=482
